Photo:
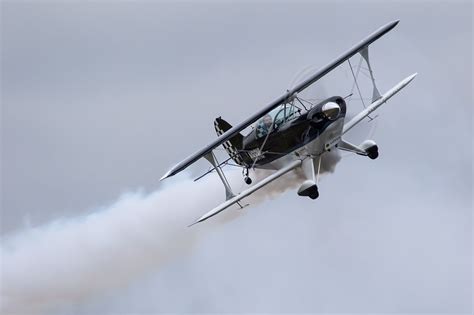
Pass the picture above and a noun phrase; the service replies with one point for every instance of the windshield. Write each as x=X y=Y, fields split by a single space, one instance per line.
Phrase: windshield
x=274 y=119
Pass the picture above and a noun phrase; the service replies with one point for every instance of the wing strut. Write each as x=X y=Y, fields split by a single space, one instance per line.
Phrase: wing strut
x=384 y=98
x=365 y=54
x=355 y=82
x=212 y=159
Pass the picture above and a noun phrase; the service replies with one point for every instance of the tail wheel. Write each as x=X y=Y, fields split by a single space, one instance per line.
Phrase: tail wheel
x=245 y=173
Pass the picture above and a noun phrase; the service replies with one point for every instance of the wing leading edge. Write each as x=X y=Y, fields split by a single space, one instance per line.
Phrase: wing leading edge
x=282 y=99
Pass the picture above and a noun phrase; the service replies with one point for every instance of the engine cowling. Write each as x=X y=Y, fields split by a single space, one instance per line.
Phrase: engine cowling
x=331 y=110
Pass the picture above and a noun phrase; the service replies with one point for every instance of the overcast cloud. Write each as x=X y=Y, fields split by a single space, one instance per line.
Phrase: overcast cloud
x=100 y=98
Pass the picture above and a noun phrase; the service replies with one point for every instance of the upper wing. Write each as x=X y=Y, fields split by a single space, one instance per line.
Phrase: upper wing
x=282 y=99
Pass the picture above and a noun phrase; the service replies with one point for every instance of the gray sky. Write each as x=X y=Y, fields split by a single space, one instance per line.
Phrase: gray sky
x=101 y=98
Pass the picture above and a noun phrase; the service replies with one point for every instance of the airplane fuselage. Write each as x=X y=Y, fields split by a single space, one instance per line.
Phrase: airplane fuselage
x=292 y=134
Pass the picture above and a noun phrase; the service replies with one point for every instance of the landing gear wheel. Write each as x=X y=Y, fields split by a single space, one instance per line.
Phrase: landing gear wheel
x=373 y=155
x=314 y=193
x=308 y=189
x=372 y=152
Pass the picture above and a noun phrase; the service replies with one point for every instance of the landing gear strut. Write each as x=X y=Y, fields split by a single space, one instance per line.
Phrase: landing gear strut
x=309 y=188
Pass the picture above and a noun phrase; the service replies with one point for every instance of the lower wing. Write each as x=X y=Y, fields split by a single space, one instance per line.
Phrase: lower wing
x=376 y=104
x=291 y=166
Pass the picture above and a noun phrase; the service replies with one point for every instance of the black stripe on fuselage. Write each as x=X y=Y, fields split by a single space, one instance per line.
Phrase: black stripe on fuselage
x=293 y=134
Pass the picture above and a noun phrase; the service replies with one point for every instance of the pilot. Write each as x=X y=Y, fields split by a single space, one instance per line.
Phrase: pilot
x=264 y=126
x=267 y=121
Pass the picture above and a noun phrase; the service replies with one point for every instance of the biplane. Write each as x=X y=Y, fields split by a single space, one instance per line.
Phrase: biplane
x=287 y=135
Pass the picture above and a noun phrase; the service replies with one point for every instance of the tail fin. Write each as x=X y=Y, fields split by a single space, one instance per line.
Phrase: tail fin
x=234 y=144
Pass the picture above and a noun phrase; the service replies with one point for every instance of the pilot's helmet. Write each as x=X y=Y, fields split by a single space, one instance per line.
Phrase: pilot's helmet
x=267 y=120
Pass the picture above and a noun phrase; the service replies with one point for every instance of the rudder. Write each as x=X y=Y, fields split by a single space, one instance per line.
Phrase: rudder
x=234 y=144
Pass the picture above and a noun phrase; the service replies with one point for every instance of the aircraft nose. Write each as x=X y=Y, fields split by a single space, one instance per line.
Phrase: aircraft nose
x=331 y=110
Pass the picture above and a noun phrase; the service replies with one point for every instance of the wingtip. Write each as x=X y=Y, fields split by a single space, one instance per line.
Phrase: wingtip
x=167 y=174
x=393 y=24
x=202 y=218
x=195 y=222
x=410 y=78
x=388 y=27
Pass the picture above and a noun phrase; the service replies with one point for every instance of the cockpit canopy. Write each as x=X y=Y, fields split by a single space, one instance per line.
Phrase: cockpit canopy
x=274 y=119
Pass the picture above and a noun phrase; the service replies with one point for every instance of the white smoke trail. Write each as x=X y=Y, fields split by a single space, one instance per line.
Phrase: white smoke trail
x=69 y=260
